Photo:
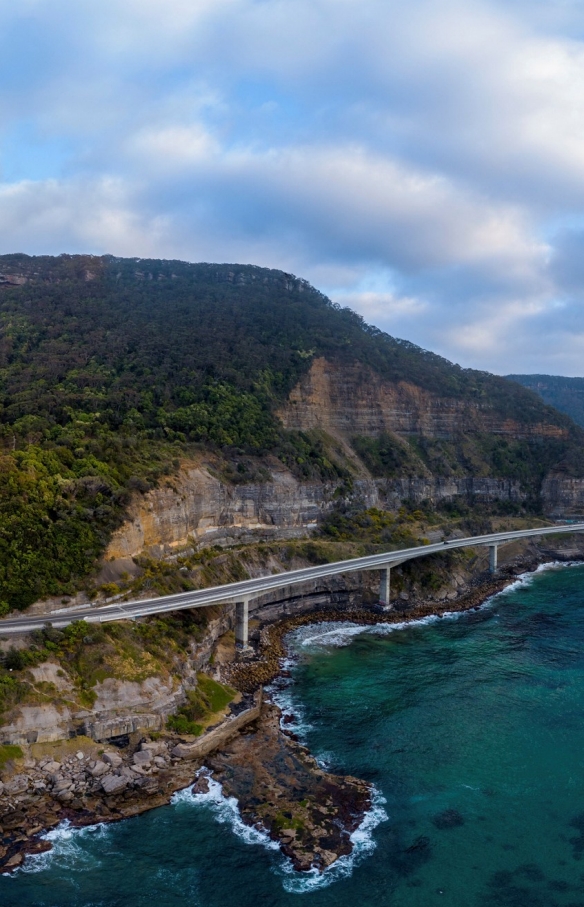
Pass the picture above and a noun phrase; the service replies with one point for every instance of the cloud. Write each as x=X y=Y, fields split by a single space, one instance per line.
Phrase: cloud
x=423 y=163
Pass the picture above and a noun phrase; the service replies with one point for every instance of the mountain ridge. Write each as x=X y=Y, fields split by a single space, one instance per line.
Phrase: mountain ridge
x=113 y=369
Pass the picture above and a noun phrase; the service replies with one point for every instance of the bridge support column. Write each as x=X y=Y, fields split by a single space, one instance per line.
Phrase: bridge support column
x=492 y=558
x=385 y=588
x=241 y=624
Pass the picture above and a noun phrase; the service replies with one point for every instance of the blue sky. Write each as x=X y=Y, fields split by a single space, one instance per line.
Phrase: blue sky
x=421 y=162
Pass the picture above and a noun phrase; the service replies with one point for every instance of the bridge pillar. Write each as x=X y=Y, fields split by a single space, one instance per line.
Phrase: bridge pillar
x=241 y=624
x=492 y=558
x=385 y=588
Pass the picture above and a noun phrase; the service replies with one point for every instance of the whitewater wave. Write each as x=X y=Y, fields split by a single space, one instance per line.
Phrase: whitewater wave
x=225 y=810
x=67 y=850
x=363 y=846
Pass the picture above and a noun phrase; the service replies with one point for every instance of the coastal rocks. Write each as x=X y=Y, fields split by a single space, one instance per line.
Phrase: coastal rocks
x=84 y=789
x=281 y=788
x=113 y=784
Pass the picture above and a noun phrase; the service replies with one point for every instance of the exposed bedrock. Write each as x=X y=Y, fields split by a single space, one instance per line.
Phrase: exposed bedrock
x=352 y=399
x=340 y=402
x=197 y=506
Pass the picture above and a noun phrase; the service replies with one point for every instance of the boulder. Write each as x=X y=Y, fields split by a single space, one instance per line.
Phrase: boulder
x=154 y=747
x=142 y=758
x=113 y=784
x=113 y=759
x=16 y=785
x=62 y=784
x=184 y=751
x=99 y=769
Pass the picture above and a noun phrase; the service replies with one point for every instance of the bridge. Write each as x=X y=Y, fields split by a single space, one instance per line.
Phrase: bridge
x=242 y=592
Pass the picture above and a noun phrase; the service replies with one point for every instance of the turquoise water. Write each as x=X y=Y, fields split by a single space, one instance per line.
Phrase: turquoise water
x=472 y=730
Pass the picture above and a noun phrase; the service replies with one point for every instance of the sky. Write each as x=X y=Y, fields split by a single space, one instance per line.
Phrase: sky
x=421 y=162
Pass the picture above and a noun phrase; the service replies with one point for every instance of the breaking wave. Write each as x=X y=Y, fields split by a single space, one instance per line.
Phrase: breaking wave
x=67 y=849
x=226 y=812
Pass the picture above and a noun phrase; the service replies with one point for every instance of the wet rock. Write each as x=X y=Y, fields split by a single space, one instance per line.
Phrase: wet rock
x=14 y=861
x=201 y=785
x=38 y=846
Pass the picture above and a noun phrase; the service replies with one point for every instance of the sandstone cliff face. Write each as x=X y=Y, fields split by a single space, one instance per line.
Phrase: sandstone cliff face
x=196 y=506
x=353 y=400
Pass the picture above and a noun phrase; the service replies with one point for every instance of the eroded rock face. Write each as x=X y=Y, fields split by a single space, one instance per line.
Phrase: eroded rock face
x=37 y=724
x=197 y=505
x=343 y=402
x=353 y=400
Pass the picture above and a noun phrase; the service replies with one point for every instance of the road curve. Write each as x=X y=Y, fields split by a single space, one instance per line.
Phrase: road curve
x=251 y=588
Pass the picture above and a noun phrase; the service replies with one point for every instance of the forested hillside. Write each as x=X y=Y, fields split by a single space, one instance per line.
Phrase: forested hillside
x=111 y=369
x=565 y=394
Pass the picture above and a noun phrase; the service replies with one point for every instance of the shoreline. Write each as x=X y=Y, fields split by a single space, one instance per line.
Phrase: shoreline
x=25 y=826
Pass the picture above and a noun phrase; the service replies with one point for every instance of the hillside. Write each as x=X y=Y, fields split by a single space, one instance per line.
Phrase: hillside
x=565 y=394
x=114 y=371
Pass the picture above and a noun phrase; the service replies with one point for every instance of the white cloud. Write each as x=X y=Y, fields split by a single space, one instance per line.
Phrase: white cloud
x=408 y=158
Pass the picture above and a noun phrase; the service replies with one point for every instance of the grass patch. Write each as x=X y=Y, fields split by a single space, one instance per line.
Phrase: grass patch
x=8 y=752
x=203 y=703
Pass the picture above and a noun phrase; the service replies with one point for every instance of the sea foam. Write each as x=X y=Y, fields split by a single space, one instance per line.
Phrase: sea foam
x=226 y=812
x=67 y=850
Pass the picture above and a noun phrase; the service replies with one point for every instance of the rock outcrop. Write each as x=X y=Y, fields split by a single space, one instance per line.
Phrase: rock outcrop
x=352 y=399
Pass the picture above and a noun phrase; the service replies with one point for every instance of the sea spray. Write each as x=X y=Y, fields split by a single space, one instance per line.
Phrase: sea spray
x=67 y=849
x=225 y=810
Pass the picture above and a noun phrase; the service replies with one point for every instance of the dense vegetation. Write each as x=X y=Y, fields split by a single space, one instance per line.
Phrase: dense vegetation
x=89 y=654
x=565 y=394
x=111 y=369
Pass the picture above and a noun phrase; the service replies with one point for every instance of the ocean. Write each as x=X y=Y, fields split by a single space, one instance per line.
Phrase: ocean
x=470 y=728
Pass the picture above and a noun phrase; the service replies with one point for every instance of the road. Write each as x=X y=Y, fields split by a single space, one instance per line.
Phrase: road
x=251 y=588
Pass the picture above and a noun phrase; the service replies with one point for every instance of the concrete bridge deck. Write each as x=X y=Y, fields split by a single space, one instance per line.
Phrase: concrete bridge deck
x=241 y=592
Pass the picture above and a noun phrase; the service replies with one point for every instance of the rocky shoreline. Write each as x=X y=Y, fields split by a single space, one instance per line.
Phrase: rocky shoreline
x=278 y=784
x=265 y=667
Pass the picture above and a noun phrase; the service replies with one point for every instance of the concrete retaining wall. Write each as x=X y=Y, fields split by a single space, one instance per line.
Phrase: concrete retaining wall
x=221 y=734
